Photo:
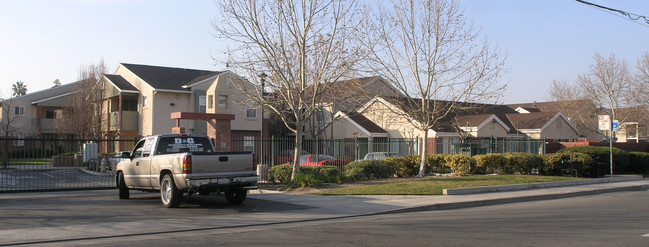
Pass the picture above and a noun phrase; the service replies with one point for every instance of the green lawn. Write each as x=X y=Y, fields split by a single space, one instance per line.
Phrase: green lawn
x=434 y=186
x=27 y=161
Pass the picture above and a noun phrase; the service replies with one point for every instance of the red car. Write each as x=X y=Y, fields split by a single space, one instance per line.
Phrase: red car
x=286 y=156
x=322 y=160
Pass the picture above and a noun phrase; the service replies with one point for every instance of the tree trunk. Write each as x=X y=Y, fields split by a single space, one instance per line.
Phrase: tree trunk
x=424 y=156
x=296 y=153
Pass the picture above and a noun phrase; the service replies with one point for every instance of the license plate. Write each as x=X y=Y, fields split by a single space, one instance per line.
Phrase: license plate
x=223 y=181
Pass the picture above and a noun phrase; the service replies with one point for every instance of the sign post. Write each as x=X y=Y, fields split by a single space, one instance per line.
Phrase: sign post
x=605 y=124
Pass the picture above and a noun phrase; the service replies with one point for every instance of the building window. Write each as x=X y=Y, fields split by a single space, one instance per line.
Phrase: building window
x=251 y=111
x=144 y=103
x=223 y=101
x=201 y=104
x=19 y=111
x=249 y=143
x=210 y=101
x=50 y=114
x=19 y=142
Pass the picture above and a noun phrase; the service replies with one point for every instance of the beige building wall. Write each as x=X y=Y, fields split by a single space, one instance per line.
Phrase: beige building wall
x=343 y=128
x=492 y=128
x=162 y=105
x=559 y=129
x=24 y=125
x=396 y=125
x=224 y=91
x=145 y=113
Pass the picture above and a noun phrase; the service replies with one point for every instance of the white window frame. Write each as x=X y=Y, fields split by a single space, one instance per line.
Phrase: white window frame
x=249 y=143
x=202 y=104
x=19 y=111
x=223 y=101
x=251 y=111
x=19 y=142
x=144 y=102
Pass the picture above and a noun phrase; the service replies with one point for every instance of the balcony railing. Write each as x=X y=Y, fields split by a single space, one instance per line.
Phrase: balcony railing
x=129 y=120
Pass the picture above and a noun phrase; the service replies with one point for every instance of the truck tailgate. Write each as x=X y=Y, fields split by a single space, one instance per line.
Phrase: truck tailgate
x=222 y=162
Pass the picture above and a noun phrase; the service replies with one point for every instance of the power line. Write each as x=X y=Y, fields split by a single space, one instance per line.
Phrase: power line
x=631 y=16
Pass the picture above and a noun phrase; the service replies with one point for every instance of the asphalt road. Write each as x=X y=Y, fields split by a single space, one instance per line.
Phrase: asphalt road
x=614 y=219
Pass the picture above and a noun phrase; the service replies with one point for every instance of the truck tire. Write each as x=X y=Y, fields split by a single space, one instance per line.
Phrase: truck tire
x=121 y=184
x=236 y=196
x=170 y=195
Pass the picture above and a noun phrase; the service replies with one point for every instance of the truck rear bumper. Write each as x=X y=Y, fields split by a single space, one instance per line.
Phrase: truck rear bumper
x=222 y=184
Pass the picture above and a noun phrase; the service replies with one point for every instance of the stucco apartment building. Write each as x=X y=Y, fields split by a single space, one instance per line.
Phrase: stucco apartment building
x=37 y=114
x=383 y=116
x=140 y=99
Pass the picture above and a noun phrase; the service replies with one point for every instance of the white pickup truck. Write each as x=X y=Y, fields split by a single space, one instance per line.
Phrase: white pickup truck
x=180 y=163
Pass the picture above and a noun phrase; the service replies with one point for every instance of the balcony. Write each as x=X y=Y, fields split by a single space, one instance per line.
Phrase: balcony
x=129 y=120
x=52 y=125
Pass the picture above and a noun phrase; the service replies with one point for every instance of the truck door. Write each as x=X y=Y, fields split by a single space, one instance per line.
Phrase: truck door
x=136 y=173
x=143 y=164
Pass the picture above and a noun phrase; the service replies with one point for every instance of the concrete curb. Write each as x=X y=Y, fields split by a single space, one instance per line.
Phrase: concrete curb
x=516 y=187
x=518 y=199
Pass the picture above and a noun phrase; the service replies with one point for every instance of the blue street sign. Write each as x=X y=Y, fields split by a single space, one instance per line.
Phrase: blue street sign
x=616 y=125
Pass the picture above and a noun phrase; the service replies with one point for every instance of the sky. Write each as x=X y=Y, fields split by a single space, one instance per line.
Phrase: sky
x=544 y=40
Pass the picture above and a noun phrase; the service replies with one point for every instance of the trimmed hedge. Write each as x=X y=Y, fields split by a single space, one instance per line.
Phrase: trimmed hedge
x=602 y=155
x=407 y=166
x=554 y=163
x=460 y=164
x=592 y=163
x=490 y=163
x=369 y=169
x=307 y=176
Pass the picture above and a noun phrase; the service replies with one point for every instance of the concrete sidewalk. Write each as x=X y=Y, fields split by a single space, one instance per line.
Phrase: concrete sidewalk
x=314 y=208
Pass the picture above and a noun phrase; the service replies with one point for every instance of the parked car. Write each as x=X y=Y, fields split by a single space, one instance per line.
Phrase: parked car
x=322 y=160
x=380 y=155
x=286 y=156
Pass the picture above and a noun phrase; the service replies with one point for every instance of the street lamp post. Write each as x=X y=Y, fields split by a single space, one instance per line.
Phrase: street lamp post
x=262 y=78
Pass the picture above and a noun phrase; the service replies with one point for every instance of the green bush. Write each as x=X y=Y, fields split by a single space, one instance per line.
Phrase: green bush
x=522 y=163
x=602 y=155
x=307 y=175
x=460 y=164
x=280 y=173
x=305 y=180
x=407 y=166
x=490 y=163
x=437 y=163
x=639 y=162
x=552 y=163
x=369 y=169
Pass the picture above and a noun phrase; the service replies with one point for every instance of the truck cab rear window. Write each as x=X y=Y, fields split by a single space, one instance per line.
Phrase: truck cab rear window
x=168 y=145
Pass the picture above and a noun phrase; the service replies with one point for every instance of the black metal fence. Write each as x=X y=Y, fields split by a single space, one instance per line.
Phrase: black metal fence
x=31 y=164
x=277 y=151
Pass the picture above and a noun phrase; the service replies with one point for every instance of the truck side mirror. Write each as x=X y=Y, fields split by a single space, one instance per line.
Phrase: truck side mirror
x=126 y=155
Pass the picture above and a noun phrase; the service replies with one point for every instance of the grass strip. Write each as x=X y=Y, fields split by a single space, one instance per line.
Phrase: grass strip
x=435 y=186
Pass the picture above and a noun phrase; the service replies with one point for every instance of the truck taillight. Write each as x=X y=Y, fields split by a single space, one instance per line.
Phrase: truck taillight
x=187 y=164
x=255 y=162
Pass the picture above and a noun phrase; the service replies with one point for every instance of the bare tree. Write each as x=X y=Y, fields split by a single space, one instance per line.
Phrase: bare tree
x=430 y=53
x=642 y=78
x=576 y=106
x=7 y=127
x=609 y=86
x=304 y=46
x=84 y=115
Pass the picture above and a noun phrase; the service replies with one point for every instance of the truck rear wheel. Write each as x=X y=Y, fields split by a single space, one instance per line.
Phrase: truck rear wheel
x=170 y=195
x=236 y=196
x=121 y=184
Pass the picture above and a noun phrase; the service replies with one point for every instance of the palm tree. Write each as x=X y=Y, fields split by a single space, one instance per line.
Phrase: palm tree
x=19 y=89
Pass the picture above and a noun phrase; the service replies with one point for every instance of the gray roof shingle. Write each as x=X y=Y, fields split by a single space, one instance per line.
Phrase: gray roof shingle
x=167 y=78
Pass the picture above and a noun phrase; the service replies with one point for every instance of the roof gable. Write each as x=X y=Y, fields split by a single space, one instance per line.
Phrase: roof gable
x=120 y=83
x=167 y=78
